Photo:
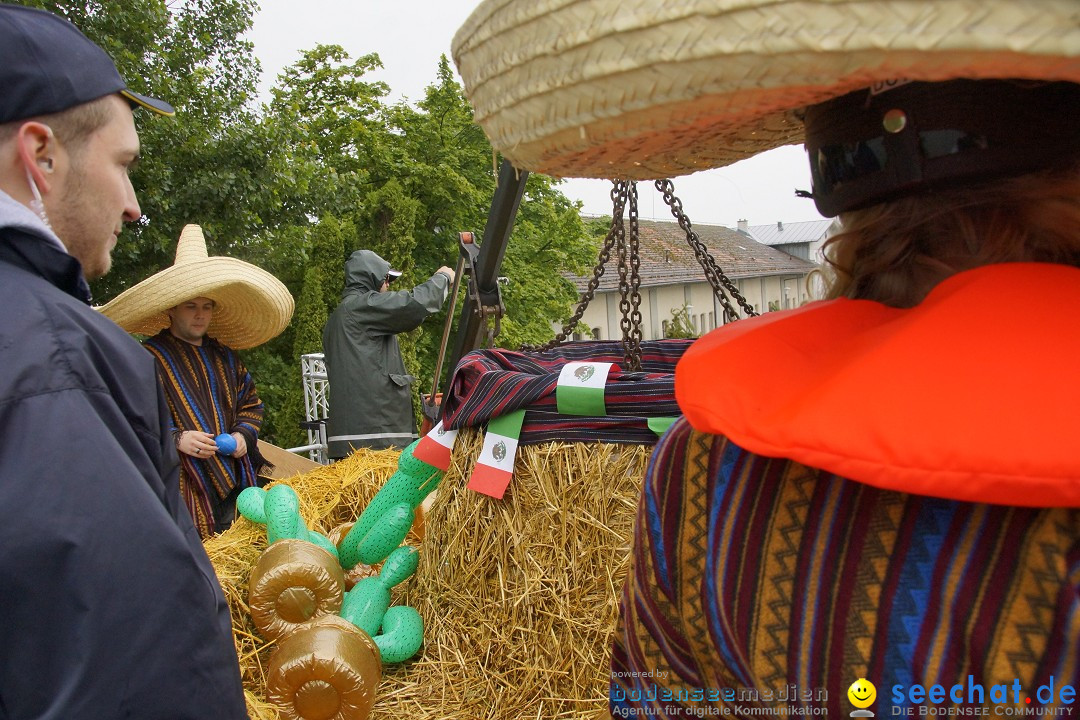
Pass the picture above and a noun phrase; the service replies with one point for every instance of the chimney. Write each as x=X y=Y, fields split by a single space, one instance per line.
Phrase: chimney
x=780 y=226
x=744 y=227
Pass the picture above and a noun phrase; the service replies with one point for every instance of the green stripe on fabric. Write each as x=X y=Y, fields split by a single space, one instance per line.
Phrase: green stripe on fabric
x=659 y=425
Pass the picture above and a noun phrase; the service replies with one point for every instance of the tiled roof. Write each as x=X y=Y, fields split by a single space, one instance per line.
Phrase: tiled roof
x=795 y=232
x=667 y=259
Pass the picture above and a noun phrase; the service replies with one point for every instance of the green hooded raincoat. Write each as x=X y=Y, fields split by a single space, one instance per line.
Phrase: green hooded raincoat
x=370 y=391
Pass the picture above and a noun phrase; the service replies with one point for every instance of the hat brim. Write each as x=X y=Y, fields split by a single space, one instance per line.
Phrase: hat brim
x=251 y=305
x=603 y=88
x=153 y=104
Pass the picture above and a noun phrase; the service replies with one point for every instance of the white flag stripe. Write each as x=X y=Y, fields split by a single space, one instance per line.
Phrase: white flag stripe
x=506 y=453
x=446 y=438
x=597 y=378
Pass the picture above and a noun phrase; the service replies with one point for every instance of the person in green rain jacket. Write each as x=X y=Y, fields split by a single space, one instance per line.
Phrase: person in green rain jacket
x=370 y=390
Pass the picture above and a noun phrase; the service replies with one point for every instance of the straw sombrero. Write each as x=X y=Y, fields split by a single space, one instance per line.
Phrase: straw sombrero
x=252 y=306
x=643 y=89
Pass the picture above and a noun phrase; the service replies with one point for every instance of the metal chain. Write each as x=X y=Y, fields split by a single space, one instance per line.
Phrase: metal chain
x=632 y=344
x=492 y=329
x=618 y=201
x=716 y=277
x=629 y=268
x=624 y=283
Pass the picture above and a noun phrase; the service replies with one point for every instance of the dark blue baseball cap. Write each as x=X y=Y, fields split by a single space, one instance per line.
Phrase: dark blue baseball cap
x=47 y=65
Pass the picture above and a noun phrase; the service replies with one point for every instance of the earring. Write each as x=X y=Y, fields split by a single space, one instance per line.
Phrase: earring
x=49 y=164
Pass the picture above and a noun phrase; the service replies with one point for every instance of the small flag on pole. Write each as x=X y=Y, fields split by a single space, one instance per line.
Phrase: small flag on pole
x=435 y=447
x=495 y=466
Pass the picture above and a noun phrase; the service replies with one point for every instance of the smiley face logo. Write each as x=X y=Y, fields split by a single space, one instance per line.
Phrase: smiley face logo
x=862 y=693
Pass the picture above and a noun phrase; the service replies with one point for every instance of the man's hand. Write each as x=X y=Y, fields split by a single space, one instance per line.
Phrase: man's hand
x=447 y=272
x=241 y=445
x=196 y=444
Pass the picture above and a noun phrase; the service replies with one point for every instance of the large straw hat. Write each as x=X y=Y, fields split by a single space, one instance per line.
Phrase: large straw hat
x=252 y=306
x=642 y=89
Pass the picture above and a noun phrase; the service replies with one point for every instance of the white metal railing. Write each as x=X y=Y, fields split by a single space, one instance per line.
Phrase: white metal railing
x=316 y=406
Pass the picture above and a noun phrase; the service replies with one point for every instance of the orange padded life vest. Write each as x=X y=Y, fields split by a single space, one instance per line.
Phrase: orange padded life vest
x=974 y=394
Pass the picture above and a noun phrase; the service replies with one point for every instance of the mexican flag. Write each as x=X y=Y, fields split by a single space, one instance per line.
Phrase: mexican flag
x=580 y=390
x=495 y=466
x=435 y=447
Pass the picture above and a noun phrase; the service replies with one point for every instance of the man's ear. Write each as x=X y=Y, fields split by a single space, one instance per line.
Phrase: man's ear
x=37 y=149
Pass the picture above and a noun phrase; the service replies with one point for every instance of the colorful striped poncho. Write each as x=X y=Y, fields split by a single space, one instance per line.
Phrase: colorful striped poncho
x=209 y=389
x=763 y=587
x=865 y=492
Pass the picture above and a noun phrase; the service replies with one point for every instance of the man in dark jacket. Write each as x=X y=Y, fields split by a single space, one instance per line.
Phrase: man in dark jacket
x=370 y=391
x=109 y=605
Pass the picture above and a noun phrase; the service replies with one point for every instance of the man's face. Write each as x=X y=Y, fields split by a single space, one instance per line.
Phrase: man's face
x=191 y=319
x=92 y=195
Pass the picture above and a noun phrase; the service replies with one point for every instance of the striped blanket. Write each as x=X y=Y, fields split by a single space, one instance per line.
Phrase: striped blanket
x=490 y=383
x=763 y=587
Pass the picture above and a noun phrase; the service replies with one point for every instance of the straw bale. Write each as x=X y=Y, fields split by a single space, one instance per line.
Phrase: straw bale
x=329 y=496
x=519 y=595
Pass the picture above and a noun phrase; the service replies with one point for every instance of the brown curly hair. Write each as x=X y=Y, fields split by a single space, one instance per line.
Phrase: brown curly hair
x=896 y=252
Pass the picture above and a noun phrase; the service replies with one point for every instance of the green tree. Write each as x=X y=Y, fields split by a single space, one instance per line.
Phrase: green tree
x=401 y=179
x=337 y=115
x=323 y=283
x=217 y=163
x=447 y=164
x=210 y=164
x=411 y=178
x=680 y=325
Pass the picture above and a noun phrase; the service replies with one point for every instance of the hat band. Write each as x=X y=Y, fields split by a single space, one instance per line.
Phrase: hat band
x=866 y=148
x=848 y=162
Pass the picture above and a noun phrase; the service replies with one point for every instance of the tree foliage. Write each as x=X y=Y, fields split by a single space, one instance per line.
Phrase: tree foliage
x=680 y=325
x=326 y=167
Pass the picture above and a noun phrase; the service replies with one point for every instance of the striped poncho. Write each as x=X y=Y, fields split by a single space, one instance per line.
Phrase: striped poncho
x=209 y=389
x=866 y=492
x=763 y=587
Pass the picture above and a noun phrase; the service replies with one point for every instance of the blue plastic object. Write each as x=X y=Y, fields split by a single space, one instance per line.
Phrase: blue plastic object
x=226 y=444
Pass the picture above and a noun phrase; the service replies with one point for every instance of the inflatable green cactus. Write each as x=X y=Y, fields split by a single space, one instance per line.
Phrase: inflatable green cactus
x=383 y=524
x=279 y=509
x=376 y=536
x=367 y=606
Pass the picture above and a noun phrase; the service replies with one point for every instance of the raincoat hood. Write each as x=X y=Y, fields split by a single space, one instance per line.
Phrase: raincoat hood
x=364 y=272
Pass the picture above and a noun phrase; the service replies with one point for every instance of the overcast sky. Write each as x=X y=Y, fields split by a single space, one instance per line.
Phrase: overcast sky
x=409 y=36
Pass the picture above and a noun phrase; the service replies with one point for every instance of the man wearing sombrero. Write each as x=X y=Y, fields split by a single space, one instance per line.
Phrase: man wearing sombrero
x=109 y=606
x=882 y=488
x=199 y=312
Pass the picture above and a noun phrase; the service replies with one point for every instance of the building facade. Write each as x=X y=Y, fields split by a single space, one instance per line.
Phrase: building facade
x=672 y=281
x=803 y=240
